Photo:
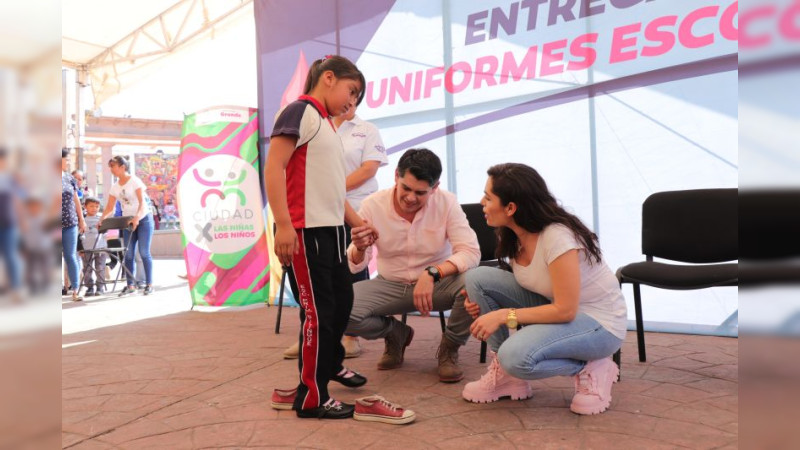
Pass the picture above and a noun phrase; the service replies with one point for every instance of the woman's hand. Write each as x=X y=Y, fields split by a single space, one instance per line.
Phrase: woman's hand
x=81 y=224
x=473 y=309
x=485 y=325
x=135 y=222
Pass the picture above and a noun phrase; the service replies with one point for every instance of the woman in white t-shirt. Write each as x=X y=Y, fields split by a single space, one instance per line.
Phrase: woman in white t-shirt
x=559 y=289
x=131 y=193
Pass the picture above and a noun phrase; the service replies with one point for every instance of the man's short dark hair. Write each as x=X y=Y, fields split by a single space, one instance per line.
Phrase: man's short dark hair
x=422 y=163
x=88 y=200
x=64 y=152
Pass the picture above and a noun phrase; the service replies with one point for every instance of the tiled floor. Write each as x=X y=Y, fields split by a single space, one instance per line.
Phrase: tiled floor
x=203 y=380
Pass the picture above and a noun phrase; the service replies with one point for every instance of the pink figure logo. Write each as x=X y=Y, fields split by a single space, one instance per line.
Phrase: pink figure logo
x=297 y=83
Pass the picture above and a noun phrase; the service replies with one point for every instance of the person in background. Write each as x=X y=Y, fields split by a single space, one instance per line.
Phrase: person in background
x=83 y=189
x=364 y=153
x=94 y=265
x=566 y=298
x=10 y=193
x=170 y=216
x=38 y=246
x=130 y=191
x=72 y=223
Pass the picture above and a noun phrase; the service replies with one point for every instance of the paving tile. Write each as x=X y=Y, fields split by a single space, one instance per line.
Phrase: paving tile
x=725 y=371
x=690 y=434
x=600 y=440
x=140 y=428
x=699 y=413
x=176 y=440
x=621 y=422
x=123 y=387
x=79 y=392
x=641 y=404
x=483 y=440
x=68 y=439
x=100 y=423
x=682 y=363
x=670 y=375
x=547 y=418
x=93 y=444
x=223 y=434
x=486 y=421
x=205 y=415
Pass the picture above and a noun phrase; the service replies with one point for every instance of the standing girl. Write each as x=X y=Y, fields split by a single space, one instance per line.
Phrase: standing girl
x=305 y=179
x=130 y=191
x=560 y=290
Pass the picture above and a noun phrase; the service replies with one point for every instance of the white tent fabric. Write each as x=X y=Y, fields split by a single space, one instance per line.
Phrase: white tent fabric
x=116 y=44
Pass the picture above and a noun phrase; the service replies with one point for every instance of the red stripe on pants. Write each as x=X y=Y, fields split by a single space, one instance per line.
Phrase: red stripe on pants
x=310 y=326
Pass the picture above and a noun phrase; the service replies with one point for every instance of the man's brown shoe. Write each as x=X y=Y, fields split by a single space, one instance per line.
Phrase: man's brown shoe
x=449 y=371
x=396 y=342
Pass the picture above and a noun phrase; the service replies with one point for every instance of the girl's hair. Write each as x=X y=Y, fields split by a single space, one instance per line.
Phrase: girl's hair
x=341 y=68
x=536 y=209
x=120 y=161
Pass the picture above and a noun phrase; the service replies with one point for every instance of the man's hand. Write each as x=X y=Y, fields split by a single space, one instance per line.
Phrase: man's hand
x=473 y=309
x=485 y=325
x=363 y=236
x=423 y=294
x=286 y=245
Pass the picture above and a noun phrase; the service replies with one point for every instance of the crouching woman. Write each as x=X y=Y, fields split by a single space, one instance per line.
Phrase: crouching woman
x=559 y=289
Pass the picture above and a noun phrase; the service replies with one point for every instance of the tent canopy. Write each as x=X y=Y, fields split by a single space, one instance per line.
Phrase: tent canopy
x=113 y=42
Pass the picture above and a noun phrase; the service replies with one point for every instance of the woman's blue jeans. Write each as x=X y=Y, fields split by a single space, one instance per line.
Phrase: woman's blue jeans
x=537 y=350
x=140 y=238
x=69 y=246
x=9 y=248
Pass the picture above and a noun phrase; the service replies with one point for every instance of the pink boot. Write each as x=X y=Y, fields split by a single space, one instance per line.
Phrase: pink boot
x=593 y=386
x=496 y=383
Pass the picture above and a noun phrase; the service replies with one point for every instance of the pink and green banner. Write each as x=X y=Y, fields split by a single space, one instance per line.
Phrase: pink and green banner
x=219 y=199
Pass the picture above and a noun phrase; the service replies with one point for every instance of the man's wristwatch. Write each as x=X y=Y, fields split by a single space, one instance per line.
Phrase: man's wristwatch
x=433 y=271
x=511 y=319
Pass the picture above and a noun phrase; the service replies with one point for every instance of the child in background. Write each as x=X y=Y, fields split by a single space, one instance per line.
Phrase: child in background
x=94 y=264
x=170 y=215
x=37 y=243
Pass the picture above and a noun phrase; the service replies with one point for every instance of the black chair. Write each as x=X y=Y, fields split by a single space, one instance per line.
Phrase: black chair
x=115 y=249
x=696 y=227
x=769 y=227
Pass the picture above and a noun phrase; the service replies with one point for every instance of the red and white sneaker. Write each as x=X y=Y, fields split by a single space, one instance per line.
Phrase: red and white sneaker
x=377 y=409
x=593 y=387
x=495 y=384
x=283 y=399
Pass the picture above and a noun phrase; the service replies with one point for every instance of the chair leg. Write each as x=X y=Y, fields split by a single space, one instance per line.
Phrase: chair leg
x=483 y=351
x=637 y=303
x=618 y=360
x=442 y=321
x=403 y=319
x=280 y=302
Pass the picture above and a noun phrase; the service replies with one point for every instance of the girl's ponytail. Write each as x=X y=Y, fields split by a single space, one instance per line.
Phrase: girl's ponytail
x=341 y=68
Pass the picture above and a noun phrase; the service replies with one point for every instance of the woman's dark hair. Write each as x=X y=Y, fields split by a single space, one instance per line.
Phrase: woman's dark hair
x=64 y=152
x=120 y=161
x=536 y=209
x=422 y=163
x=341 y=68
